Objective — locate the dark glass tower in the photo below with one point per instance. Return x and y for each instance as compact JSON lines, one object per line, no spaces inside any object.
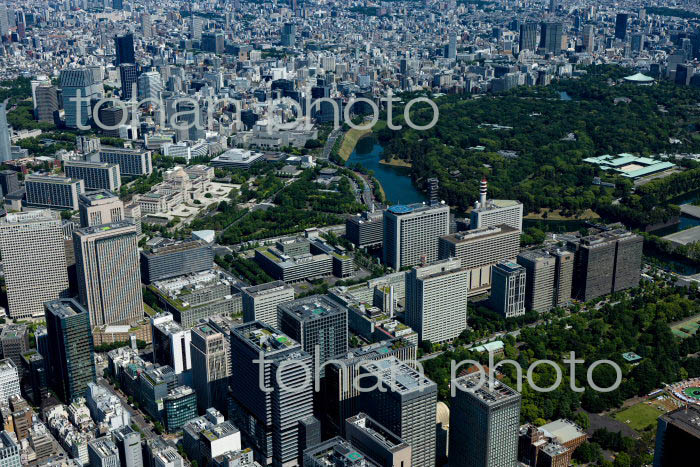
{"x":72,"y":357}
{"x":124,"y":49}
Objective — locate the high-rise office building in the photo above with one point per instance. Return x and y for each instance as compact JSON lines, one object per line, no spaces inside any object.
{"x":177,"y":259}
{"x":34,"y":260}
{"x":479,"y":250}
{"x":103,"y":452}
{"x":53,"y":191}
{"x":411,"y":233}
{"x":46,"y":103}
{"x":180,"y":406}
{"x":260,"y":301}
{"x":72,"y":357}
{"x":270,"y":421}
{"x":100,"y":207}
{"x":95,"y":175}
{"x":605,"y":263}
{"x":548,"y":280}
{"x":9,"y":181}
{"x":171,"y":345}
{"x":484,"y":424}
{"x":124,"y":49}
{"x":550,"y":37}
{"x":132,"y":162}
{"x":493,"y":212}
{"x":36,"y":378}
{"x":621,"y":26}
{"x":289,"y":32}
{"x":451,"y":47}
{"x":366,"y":229}
{"x":508,"y":289}
{"x":637,"y":42}
{"x":316,"y":321}
{"x":150,"y":87}
{"x":112,"y":121}
{"x":196,"y":26}
{"x":436,"y":300}
{"x":528,"y":36}
{"x":4,"y":22}
{"x":378,"y":443}
{"x":79,"y":84}
{"x":404,"y":402}
{"x":683,"y":74}
{"x":128,"y":443}
{"x":9,"y":380}
{"x":210,"y":368}
{"x":589,"y":38}
{"x":109,"y":279}
{"x":213,"y":42}
{"x":341,"y":395}
{"x":5,"y":153}
{"x":14,"y":339}
{"x":146,"y":25}
{"x":128,"y":74}
{"x":677,"y":435}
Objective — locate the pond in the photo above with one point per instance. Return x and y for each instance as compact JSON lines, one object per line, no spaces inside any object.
{"x":396,"y":181}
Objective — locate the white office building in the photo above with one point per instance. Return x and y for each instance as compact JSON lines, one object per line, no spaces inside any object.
{"x":508,"y":289}
{"x":260,"y":302}
{"x":9,"y":380}
{"x":436,"y":300}
{"x":411,"y":233}
{"x":34,"y":260}
{"x":492,"y":212}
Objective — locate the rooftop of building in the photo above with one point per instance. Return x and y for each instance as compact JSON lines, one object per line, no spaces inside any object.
{"x":337,"y":451}
{"x":373,"y":351}
{"x":479,"y":234}
{"x":7,"y":364}
{"x":378,"y":432}
{"x":122,"y":150}
{"x":104,"y":447}
{"x":175,"y":247}
{"x":563,"y":430}
{"x":46,"y":178}
{"x":264,"y":337}
{"x":604,"y":237}
{"x":65,"y":307}
{"x":403,"y":209}
{"x":489,"y":394}
{"x":492,"y":204}
{"x":313,"y":307}
{"x":13,"y":330}
{"x":114,"y":226}
{"x":97,"y":197}
{"x":266,"y":288}
{"x":104,"y":165}
{"x":178,"y":392}
{"x":28,"y":217}
{"x":398,"y":376}
{"x":687,"y":418}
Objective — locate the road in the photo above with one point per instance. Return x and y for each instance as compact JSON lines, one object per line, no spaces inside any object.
{"x":330,"y":142}
{"x":136,"y":416}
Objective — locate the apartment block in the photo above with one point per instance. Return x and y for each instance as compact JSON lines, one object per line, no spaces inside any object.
{"x":411,"y":233}
{"x":95,"y":175}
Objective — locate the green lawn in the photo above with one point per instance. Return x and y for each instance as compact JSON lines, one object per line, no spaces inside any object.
{"x":640,"y":416}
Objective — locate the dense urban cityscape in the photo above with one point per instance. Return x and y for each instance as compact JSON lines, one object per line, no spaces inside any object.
{"x":393,"y":233}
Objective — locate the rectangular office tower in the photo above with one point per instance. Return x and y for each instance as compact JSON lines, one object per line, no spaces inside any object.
{"x":177,"y":259}
{"x":210,"y":367}
{"x":508,"y":289}
{"x":621,"y":26}
{"x":72,"y":357}
{"x":316,"y":321}
{"x":270,"y":421}
{"x":34,"y":260}
{"x":551,"y":37}
{"x":95,"y":175}
{"x":132,"y":162}
{"x":100,"y":207}
{"x":79,"y":86}
{"x":677,"y":437}
{"x":366,"y":229}
{"x":128,"y":442}
{"x":548,"y":278}
{"x":260,"y":301}
{"x":109,"y":279}
{"x":484,"y":424}
{"x":528,"y":36}
{"x":479,"y":250}
{"x":411,"y":233}
{"x":405,"y":402}
{"x":493,"y":212}
{"x":52,"y":191}
{"x":171,"y":345}
{"x":103,"y":453}
{"x":436,"y":300}
{"x":605,"y":263}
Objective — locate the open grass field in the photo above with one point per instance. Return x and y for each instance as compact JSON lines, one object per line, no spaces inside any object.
{"x":640,"y":416}
{"x":350,"y":140}
{"x":686,"y":328}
